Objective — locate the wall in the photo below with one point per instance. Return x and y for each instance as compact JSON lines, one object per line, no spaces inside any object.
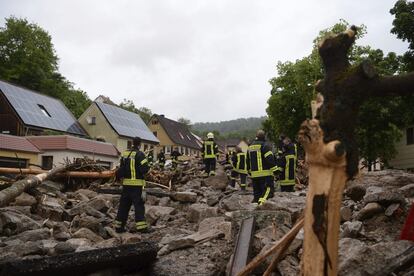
{"x":102,"y":129}
{"x":8,"y":119}
{"x":32,"y":157}
{"x":405,"y":156}
{"x":59,"y":157}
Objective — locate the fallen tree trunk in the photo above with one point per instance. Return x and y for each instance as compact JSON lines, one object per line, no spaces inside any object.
{"x":127,"y":258}
{"x":9,"y":194}
{"x":75,"y":174}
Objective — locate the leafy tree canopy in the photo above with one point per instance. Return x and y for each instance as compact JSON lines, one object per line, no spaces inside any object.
{"x":144,"y":112}
{"x":28,"y":58}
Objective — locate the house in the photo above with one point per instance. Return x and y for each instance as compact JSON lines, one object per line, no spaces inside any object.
{"x":26,"y":112}
{"x":231,"y":144}
{"x":405,"y":151}
{"x":17,"y":152}
{"x":173,"y":134}
{"x":57,"y":149}
{"x":110,"y":123}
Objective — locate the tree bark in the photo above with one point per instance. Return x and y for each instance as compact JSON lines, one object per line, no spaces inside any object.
{"x":331,"y":148}
{"x":77,"y":174}
{"x":9,"y":194}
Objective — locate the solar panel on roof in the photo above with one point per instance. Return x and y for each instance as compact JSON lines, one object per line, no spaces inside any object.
{"x":126,"y":123}
{"x":28,"y":106}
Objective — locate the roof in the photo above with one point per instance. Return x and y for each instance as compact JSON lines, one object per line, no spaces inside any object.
{"x":37,"y":110}
{"x":232,"y":142}
{"x":126,"y":123}
{"x":67,"y":142}
{"x":17,"y":143}
{"x":178,"y":132}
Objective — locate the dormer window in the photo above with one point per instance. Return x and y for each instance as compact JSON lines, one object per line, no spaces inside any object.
{"x":182,"y":137}
{"x":44,"y":111}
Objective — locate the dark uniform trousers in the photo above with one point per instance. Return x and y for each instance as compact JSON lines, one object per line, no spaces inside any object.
{"x":210,"y":164}
{"x":131,"y":195}
{"x":259,"y":187}
{"x":243,"y":178}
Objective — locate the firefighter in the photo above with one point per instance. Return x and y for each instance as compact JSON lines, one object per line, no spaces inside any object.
{"x":161,"y":159}
{"x":150,"y":157}
{"x":261,"y":165}
{"x":174,"y":157}
{"x":239,"y":163}
{"x":287,"y":164}
{"x":209,"y":152}
{"x":133,"y":167}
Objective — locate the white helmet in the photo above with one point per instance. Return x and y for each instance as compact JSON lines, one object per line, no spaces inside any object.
{"x":210,"y":135}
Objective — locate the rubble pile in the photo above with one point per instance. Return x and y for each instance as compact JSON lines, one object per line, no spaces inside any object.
{"x":196,"y":222}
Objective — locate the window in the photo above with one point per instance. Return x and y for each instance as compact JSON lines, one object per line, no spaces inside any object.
{"x":10,"y":162}
{"x":47,"y":162}
{"x":155,"y":133}
{"x":154,"y":122}
{"x":91,"y":120}
{"x":410,"y":135}
{"x":44,"y":111}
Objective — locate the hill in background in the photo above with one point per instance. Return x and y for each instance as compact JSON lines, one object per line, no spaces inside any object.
{"x":243,"y":128}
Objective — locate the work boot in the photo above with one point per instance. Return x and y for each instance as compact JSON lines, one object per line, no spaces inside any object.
{"x":212,"y":173}
{"x":145,"y":230}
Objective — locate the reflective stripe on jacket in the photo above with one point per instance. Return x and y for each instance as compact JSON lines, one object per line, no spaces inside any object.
{"x":135,"y":166}
{"x":241,"y":163}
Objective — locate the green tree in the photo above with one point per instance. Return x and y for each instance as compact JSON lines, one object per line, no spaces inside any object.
{"x":403,"y":27}
{"x":144,"y":112}
{"x":28,"y":58}
{"x":292,"y":91}
{"x":184,"y":121}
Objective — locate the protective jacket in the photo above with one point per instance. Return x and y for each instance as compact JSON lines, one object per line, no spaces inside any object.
{"x":133,"y":167}
{"x":210,"y":149}
{"x":239,"y":162}
{"x":260,"y":159}
{"x":288,"y":165}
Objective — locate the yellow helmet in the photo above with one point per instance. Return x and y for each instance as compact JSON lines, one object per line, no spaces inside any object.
{"x":210,"y":135}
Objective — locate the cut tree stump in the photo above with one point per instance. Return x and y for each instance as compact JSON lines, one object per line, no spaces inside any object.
{"x":127,"y":258}
{"x":330,"y":144}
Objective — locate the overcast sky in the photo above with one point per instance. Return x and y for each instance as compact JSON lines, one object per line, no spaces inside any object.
{"x":206,"y":60}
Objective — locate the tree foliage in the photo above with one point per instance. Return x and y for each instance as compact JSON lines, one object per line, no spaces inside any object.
{"x":403,"y":27}
{"x":293,"y":89}
{"x":184,"y":121}
{"x":144,"y":112}
{"x":28,"y":58}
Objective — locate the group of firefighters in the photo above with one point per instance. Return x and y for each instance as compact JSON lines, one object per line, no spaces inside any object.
{"x":259,"y":163}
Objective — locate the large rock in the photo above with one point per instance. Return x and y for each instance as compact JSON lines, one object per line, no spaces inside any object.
{"x":87,"y":234}
{"x":217,"y":223}
{"x":407,"y":190}
{"x":346,"y":213}
{"x":370,"y":210}
{"x":186,"y":197}
{"x":52,"y":209}
{"x":154,"y":213}
{"x":32,"y":235}
{"x":356,"y":192}
{"x":237,"y":202}
{"x":88,"y":193}
{"x":23,"y":249}
{"x":198,"y":212}
{"x":351,"y":229}
{"x":357,"y":258}
{"x":51,"y":186}
{"x":289,"y":266}
{"x":90,"y":222}
{"x":217,"y":182}
{"x":79,"y":242}
{"x":385,"y":198}
{"x":12,"y":222}
{"x":24,"y":199}
{"x":64,"y":247}
{"x":60,"y":232}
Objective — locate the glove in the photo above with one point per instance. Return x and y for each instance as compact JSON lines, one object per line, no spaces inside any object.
{"x":144,"y":196}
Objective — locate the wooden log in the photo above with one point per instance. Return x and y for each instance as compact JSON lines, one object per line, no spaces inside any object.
{"x":285,"y":240}
{"x":9,"y":194}
{"x":74,"y":174}
{"x":128,"y":258}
